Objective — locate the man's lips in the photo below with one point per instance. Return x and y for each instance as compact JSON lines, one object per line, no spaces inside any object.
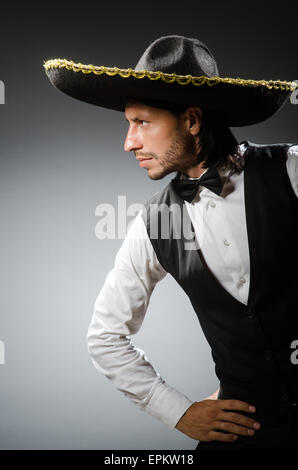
{"x":143,"y":160}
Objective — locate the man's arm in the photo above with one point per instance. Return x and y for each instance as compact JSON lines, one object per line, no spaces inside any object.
{"x":119,"y":311}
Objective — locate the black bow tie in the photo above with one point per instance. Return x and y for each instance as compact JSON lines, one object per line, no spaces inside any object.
{"x":187,"y":189}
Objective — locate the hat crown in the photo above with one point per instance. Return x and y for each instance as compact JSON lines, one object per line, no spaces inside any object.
{"x":179,"y":55}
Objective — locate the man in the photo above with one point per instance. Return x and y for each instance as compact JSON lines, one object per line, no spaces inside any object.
{"x":239,"y":272}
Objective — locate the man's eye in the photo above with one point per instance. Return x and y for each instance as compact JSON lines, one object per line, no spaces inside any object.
{"x":142,"y":123}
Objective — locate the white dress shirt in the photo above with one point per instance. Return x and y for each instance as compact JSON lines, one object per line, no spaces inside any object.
{"x":120,"y":307}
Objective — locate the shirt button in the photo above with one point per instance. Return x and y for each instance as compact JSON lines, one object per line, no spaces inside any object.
{"x":212,"y":204}
{"x":242,"y":280}
{"x":226,"y":242}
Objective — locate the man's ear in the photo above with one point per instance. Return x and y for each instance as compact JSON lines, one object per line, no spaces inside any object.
{"x":193,"y":119}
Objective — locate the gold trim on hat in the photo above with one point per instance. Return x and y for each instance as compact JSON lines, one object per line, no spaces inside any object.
{"x":166,"y":77}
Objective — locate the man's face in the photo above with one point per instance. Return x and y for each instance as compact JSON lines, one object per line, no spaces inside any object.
{"x":160,"y":141}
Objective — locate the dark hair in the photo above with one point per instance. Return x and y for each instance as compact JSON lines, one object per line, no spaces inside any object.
{"x":217,"y":142}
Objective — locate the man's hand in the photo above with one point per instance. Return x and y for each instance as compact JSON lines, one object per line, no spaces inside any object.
{"x":207,"y":419}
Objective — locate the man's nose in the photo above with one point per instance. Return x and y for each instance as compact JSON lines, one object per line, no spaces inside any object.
{"x":132,"y":142}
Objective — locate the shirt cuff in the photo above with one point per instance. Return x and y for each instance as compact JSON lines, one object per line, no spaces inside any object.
{"x":166,"y":404}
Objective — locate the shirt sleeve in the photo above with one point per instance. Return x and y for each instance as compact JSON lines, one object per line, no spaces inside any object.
{"x":119,"y":311}
{"x":292,"y":167}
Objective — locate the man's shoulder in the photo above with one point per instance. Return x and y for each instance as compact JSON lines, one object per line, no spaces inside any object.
{"x":253,"y":147}
{"x":262,"y":153}
{"x":160,"y":204}
{"x":160,"y":196}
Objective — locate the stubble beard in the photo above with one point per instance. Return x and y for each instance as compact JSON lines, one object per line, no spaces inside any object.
{"x":181,"y":155}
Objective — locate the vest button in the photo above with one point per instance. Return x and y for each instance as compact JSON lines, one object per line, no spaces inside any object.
{"x":284,"y":396}
{"x":267,"y":355}
{"x":250,"y":312}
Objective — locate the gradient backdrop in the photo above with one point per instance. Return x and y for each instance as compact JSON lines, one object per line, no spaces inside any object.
{"x":60,"y":159}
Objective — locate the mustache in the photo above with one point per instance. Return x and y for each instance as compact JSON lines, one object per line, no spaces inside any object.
{"x":145,"y":154}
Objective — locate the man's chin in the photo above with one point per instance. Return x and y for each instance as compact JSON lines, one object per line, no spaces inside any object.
{"x":157,"y":175}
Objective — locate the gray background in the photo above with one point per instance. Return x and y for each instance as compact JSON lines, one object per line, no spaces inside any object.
{"x":60,"y":159}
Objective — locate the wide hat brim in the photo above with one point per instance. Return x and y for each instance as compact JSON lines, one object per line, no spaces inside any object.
{"x":234,"y":101}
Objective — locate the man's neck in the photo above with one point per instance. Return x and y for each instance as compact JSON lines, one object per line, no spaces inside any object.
{"x":195,"y":172}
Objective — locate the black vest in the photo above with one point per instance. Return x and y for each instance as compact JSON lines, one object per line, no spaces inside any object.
{"x":250,"y":344}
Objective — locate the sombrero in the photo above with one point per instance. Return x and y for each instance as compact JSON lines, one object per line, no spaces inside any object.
{"x":173,"y":69}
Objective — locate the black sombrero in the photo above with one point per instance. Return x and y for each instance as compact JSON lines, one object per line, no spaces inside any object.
{"x":177,"y":70}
